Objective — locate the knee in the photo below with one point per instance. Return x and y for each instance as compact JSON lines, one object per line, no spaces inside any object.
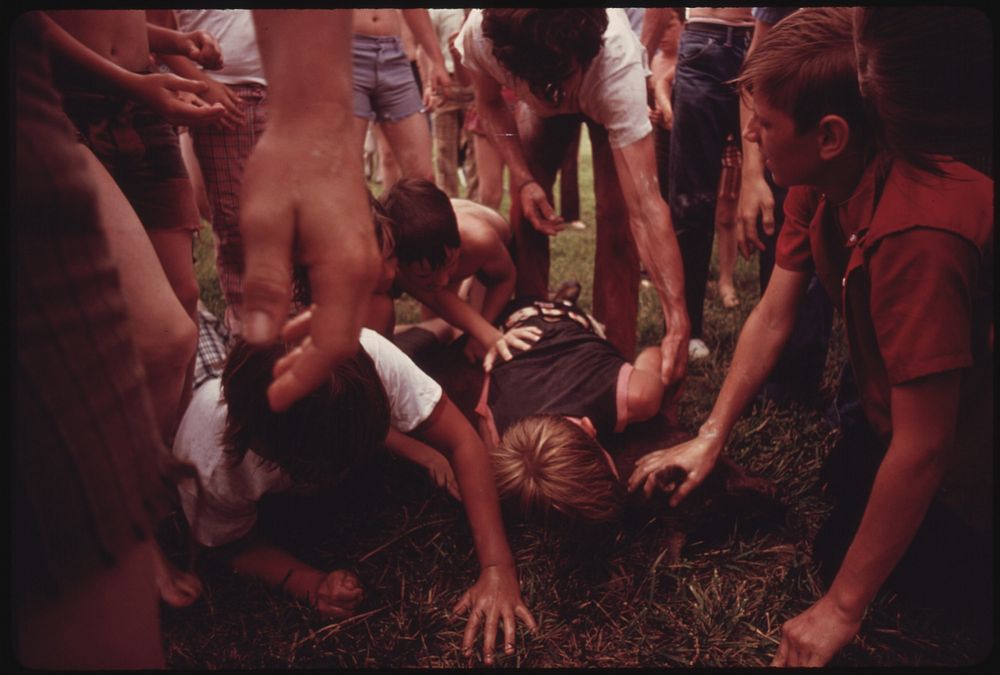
{"x":170,"y":349}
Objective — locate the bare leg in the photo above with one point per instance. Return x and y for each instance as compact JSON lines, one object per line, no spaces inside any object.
{"x":387,"y":165}
{"x":164,"y":333}
{"x":569,"y":181}
{"x":194,"y":170}
{"x":174,"y":249}
{"x":410,"y":140}
{"x":725,"y":238}
{"x":616,"y":260}
{"x":489,"y":166}
{"x":111,"y":621}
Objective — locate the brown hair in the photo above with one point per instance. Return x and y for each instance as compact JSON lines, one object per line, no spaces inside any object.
{"x":805,"y":66}
{"x":322,"y":434}
{"x":546,"y":463}
{"x":423,"y":221}
{"x":543,"y":47}
{"x":927,"y":73}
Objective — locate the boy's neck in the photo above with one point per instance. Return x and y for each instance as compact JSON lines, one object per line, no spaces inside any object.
{"x":843,"y":177}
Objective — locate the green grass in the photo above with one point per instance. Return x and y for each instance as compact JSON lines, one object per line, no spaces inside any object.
{"x":628,"y":603}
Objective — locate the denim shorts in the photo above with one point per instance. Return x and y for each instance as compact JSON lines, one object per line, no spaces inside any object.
{"x":384,"y":87}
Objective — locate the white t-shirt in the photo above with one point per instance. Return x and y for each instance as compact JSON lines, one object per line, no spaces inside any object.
{"x":228,"y":506}
{"x":237,"y":37}
{"x":612,"y":91}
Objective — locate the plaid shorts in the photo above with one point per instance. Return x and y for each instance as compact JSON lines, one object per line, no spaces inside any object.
{"x":213,"y":338}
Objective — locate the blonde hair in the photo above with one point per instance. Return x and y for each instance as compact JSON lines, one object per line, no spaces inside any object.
{"x":546,"y":463}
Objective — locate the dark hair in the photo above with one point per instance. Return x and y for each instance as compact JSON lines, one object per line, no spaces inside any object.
{"x":544,"y":47}
{"x":423,"y":221}
{"x":322,"y":434}
{"x":805,"y":66}
{"x":927,"y":73}
{"x":301,"y":288}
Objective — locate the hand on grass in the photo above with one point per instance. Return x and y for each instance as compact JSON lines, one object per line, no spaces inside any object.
{"x":677,"y":470}
{"x":338,"y":594}
{"x":522,"y":337}
{"x":494,"y":597}
{"x":814,"y":636}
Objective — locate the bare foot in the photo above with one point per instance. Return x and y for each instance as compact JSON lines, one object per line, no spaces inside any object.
{"x":728,"y":294}
{"x":177,"y":588}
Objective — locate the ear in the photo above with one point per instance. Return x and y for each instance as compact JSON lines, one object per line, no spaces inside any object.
{"x":589,"y":427}
{"x":834,"y":135}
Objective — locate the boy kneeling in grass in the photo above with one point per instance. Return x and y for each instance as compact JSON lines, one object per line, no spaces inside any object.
{"x":905,"y":249}
{"x":243,"y":450}
{"x":441,"y":243}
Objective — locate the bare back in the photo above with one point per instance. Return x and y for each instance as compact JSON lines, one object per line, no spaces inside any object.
{"x":376,"y":22}
{"x":117,"y":35}
{"x":733,"y":16}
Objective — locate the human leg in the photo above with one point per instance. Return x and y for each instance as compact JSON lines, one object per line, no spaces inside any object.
{"x":616,"y":259}
{"x":706,"y":111}
{"x":446,"y":129}
{"x":725,"y":223}
{"x":489,"y":168}
{"x":222,"y":154}
{"x":410,"y":141}
{"x":164,"y":334}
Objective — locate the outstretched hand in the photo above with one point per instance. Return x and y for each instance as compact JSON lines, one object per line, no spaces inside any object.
{"x":677,"y":470}
{"x":494,"y":597}
{"x":300,"y":204}
{"x":522,"y":337}
{"x":162,"y":92}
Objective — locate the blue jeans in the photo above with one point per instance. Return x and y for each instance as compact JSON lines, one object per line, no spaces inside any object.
{"x":706,"y":111}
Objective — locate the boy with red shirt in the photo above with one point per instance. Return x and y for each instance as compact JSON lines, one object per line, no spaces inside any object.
{"x":903,"y":252}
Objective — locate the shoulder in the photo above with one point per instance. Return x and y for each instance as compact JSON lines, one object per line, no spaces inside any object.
{"x":959,"y":201}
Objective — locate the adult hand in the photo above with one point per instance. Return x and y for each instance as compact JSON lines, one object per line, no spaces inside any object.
{"x":755,"y":198}
{"x":161,"y":92}
{"x":814,"y":636}
{"x":201,"y":48}
{"x":338,"y":594}
{"x":295,"y":205}
{"x":674,"y":355}
{"x":493,"y":597}
{"x":666,"y":110}
{"x":677,"y":470}
{"x":440,"y":80}
{"x":522,"y":337}
{"x":536,"y":208}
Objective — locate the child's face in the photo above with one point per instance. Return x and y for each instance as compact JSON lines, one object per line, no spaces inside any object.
{"x":793,"y":158}
{"x":422,"y":275}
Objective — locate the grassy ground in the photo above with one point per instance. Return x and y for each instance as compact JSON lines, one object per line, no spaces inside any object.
{"x":623,"y":602}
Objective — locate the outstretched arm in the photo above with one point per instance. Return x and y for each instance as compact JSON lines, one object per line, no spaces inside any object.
{"x":335,"y":594}
{"x":924,"y":414}
{"x":649,"y":219}
{"x":420,"y":453}
{"x":495,"y":596}
{"x":304,"y":198}
{"x":763,"y":336}
{"x":156,"y":90}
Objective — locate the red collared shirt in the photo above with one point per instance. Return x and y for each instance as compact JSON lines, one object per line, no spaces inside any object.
{"x":908,"y":259}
